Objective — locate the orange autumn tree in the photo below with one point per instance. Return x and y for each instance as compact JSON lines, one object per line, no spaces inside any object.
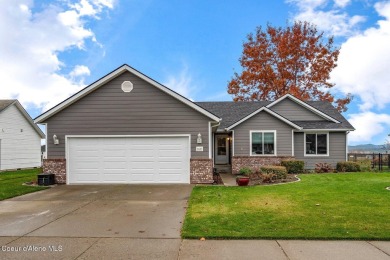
{"x":292,"y":60}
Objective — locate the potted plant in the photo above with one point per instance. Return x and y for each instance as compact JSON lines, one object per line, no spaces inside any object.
{"x":243,"y":178}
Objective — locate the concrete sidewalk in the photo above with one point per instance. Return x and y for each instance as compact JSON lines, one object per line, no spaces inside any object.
{"x":228,"y":179}
{"x":148,"y":248}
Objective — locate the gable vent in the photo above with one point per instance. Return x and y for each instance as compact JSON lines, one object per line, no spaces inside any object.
{"x":127,"y":86}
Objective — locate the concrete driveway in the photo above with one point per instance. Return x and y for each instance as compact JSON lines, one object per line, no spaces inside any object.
{"x":67,"y":220}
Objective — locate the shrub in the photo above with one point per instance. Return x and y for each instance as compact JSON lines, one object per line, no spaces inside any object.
{"x":279,"y":171}
{"x":348,"y":167}
{"x":267,"y":177}
{"x":293,"y":166}
{"x":323,"y":167}
{"x":365,"y":165}
{"x":246,"y":171}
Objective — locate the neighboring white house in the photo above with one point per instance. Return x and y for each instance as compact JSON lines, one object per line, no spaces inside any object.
{"x":20,"y":138}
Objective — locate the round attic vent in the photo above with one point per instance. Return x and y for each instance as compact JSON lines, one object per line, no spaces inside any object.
{"x":127,"y":86}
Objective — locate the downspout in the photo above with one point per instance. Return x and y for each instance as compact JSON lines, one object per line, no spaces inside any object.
{"x":346,"y":146}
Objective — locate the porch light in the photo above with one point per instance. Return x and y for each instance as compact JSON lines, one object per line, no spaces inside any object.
{"x":199,"y":139}
{"x":56,"y":140}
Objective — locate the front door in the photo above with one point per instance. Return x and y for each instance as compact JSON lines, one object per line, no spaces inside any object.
{"x":221,"y":149}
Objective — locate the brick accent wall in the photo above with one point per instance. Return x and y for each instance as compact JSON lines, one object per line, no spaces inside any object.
{"x":255,"y":162}
{"x":56,"y":166}
{"x":201,"y":171}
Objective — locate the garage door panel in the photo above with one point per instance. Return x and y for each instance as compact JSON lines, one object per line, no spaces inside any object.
{"x":143,"y":177}
{"x":128,"y":160}
{"x":87,"y":177}
{"x":114,"y":177}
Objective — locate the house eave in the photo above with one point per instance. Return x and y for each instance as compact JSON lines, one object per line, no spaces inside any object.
{"x":325,"y":130}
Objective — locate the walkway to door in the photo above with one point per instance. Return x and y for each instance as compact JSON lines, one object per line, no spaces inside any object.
{"x":228,"y":179}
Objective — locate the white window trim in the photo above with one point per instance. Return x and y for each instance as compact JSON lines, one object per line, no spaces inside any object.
{"x":316,"y":155}
{"x":262,"y":131}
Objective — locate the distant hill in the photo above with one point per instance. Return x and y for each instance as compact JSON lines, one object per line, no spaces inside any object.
{"x":366,"y":148}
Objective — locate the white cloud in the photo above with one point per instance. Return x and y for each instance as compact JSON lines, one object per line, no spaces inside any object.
{"x":91,"y":7}
{"x":80,"y":70}
{"x":342,"y":3}
{"x":334,"y":21}
{"x":364,"y":62}
{"x":29,"y":57}
{"x":368,"y":125}
{"x":181,"y":83}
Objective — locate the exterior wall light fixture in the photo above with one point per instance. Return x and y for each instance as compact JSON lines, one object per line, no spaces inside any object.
{"x":199,"y":139}
{"x":56,"y":141}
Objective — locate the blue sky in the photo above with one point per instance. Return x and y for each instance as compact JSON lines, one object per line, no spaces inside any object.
{"x":54,"y":48}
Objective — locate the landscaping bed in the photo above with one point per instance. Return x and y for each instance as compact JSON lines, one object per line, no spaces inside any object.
{"x":256,"y":179}
{"x":320,"y":206}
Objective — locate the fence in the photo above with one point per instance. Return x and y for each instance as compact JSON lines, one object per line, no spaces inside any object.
{"x":377,"y":161}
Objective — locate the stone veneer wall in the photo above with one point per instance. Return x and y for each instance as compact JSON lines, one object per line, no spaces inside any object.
{"x":56,"y":166}
{"x":201,"y":171}
{"x":255,"y":162}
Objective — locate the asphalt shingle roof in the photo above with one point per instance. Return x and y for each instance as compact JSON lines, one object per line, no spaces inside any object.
{"x":231,"y":112}
{"x":4,"y":103}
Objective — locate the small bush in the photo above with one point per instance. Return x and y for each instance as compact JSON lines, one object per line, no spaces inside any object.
{"x":323,"y":167}
{"x":365,"y":165}
{"x":267,"y":177}
{"x":279,"y":171}
{"x":348,"y":167}
{"x":293,"y":166}
{"x":246,"y":171}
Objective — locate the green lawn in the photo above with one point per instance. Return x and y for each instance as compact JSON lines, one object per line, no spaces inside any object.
{"x":321,"y":206}
{"x":11,"y":183}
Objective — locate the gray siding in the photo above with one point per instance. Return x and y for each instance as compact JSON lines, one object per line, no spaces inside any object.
{"x":336,"y":150}
{"x":295,"y":112}
{"x":263,"y":121}
{"x":146,"y":110}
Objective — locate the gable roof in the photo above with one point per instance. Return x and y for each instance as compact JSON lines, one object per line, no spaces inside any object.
{"x":233,"y":112}
{"x":5,"y":104}
{"x":330,"y":110}
{"x":269,"y":111}
{"x":305,"y":105}
{"x":85,"y":91}
{"x":230,"y":111}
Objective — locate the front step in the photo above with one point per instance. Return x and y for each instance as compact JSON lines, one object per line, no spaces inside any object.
{"x":226,"y":168}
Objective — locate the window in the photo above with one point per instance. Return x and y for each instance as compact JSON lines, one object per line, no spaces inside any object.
{"x":263,"y":142}
{"x":316,"y":144}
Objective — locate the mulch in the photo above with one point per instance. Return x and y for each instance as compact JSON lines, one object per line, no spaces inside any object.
{"x":255,"y":179}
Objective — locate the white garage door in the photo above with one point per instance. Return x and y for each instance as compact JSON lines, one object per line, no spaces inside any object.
{"x":128,"y":159}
